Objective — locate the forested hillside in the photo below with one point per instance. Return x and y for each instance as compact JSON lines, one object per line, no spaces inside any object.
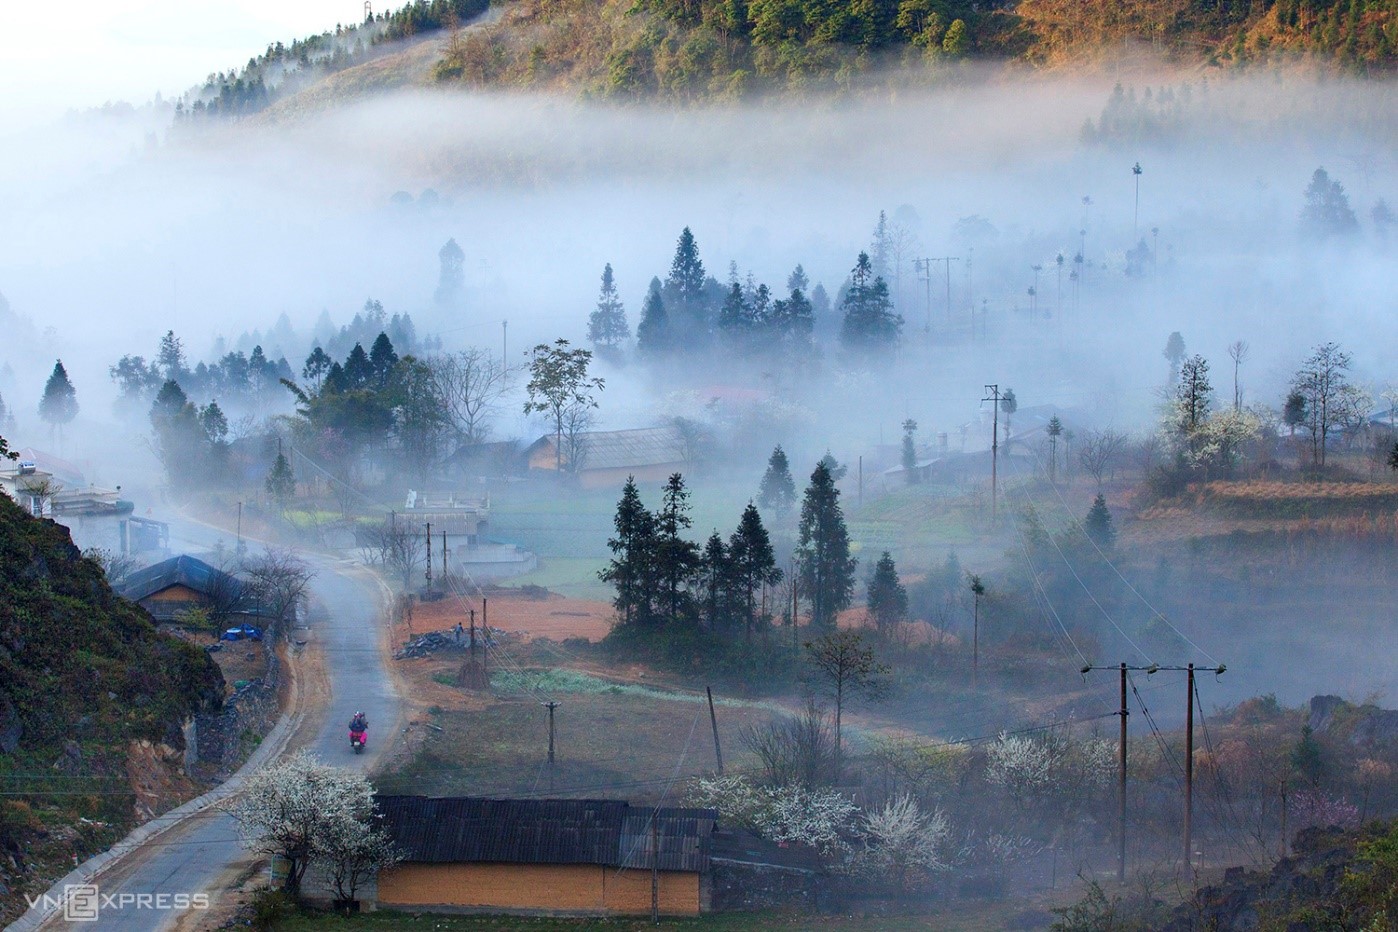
{"x":702,"y":49}
{"x":89,"y":690}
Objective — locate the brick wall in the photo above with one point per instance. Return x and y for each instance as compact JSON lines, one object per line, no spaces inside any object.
{"x":545,"y":888}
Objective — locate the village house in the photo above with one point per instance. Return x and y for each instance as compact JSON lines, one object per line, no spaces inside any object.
{"x":605,"y":458}
{"x":172,"y":587}
{"x":459,"y":543}
{"x":544,"y":856}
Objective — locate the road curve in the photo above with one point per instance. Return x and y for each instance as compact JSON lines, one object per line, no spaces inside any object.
{"x":193,"y":855}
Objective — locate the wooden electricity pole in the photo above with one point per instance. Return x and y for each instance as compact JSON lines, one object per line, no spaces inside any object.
{"x":993,"y":394}
{"x":713,"y":720}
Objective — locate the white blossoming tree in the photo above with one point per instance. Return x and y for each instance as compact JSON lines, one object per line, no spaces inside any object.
{"x":302,"y":810}
{"x":822,"y":819}
{"x":902,"y":843}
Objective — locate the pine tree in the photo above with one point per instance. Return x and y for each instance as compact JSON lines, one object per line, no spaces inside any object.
{"x":281,"y":481}
{"x":869,"y":323}
{"x":685,"y":295}
{"x":827,"y":569}
{"x":755,"y":564}
{"x":798,"y":280}
{"x":792,"y":326}
{"x":606,"y":326}
{"x":778,"y":489}
{"x":676,"y":558}
{"x":359,"y":371}
{"x":171,"y":359}
{"x":735,"y":317}
{"x":451,"y":276}
{"x":881,"y":247}
{"x":1327,"y":211}
{"x":632,"y":569}
{"x":1098,"y":524}
{"x":318,"y":364}
{"x":382,"y":359}
{"x":887,"y":599}
{"x":716,"y":577}
{"x":910,"y":450}
{"x":653,"y":332}
{"x":59,"y":404}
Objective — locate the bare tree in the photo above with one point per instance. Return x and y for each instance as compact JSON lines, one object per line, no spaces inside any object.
{"x":1323,"y":383}
{"x":902,"y":246}
{"x":1238,"y":352}
{"x":576,"y":423}
{"x":41,"y":491}
{"x":278,"y":580}
{"x":1099,"y":450}
{"x":470,"y":384}
{"x":843,"y":668}
{"x":395,"y":545}
{"x":795,"y":749}
{"x":115,"y":566}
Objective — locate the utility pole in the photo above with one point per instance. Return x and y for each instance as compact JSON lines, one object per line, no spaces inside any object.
{"x":505,"y":344}
{"x":923,"y":268}
{"x":485,"y":644}
{"x":1121,"y":764}
{"x":1190,"y":670}
{"x":550,"y":705}
{"x":861,"y":480}
{"x":444,"y":558}
{"x":1136,"y":215}
{"x":429,"y":556}
{"x":993,"y":394}
{"x":948,"y":260}
{"x":655,"y":866}
{"x":713,"y":720}
{"x":473,"y":636}
{"x":795,"y":605}
{"x":240,"y":529}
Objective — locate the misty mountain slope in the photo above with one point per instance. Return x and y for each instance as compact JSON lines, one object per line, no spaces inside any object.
{"x":411,"y":66}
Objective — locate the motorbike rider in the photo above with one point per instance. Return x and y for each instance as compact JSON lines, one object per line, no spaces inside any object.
{"x":359,"y":724}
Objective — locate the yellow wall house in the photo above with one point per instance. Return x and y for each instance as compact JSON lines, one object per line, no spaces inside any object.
{"x":550,"y":856}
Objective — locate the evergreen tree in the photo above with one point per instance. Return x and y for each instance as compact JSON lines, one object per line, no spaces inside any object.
{"x":793,"y":324}
{"x":798,"y":280}
{"x":735,"y":320}
{"x":171,"y":360}
{"x":1174,"y":352}
{"x":1327,"y":211}
{"x":1009,"y":404}
{"x":359,"y":371}
{"x":181,"y":439}
{"x":685,"y":294}
{"x":1098,"y":524}
{"x":887,"y":599}
{"x":677,"y":559}
{"x":827,"y":569}
{"x":716,"y":579}
{"x":451,"y":277}
{"x":281,"y":481}
{"x":881,"y":247}
{"x":686,"y":280}
{"x":653,"y":332}
{"x":778,"y":489}
{"x":59,"y":404}
{"x":215,"y":424}
{"x":754,"y":563}
{"x":869,"y":323}
{"x":910,"y":450}
{"x":836,"y":469}
{"x":382,"y":359}
{"x":606,"y":326}
{"x":633,"y":564}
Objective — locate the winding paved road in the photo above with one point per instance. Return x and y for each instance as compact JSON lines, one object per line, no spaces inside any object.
{"x":199,"y":852}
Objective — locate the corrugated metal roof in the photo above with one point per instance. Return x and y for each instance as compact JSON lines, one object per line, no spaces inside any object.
{"x":628,"y":449}
{"x":545,"y":831}
{"x":183,"y":570}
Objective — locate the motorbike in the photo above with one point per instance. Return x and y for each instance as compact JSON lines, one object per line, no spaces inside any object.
{"x":357,"y":740}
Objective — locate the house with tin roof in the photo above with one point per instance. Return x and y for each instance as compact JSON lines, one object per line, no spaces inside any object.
{"x":604,"y":458}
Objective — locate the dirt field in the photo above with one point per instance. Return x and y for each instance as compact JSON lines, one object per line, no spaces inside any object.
{"x":552,"y":616}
